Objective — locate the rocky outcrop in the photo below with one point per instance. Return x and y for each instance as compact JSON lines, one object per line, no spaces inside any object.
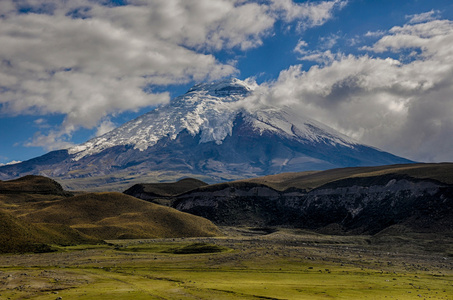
{"x":355,"y":205}
{"x":241,"y":204}
{"x":372,"y":204}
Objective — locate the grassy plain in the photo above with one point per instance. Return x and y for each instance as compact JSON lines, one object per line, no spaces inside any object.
{"x":246,"y":263}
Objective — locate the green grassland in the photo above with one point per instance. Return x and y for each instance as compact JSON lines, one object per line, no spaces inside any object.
{"x":243,"y":264}
{"x":113,"y":246}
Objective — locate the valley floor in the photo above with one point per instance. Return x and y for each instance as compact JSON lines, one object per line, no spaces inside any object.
{"x":246,"y":263}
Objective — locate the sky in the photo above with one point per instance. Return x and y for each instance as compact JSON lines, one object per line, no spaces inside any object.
{"x":378,"y":71}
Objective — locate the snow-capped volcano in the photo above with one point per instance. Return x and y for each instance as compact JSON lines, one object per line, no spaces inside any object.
{"x":205,"y":109}
{"x":209,"y":110}
{"x":211,"y":133}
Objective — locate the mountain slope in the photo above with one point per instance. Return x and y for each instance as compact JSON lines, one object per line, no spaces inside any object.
{"x":212,"y":133}
{"x":160,"y":192}
{"x":32,"y":185}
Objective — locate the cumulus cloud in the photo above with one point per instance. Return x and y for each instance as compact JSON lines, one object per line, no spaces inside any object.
{"x":400,"y":106}
{"x":87,"y":60}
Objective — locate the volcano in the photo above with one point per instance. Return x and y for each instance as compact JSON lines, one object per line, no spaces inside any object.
{"x":211,"y":133}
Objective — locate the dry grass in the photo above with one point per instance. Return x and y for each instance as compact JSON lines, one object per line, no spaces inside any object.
{"x":18,"y":235}
{"x":115,"y":215}
{"x":44,"y":214}
{"x":31,"y":184}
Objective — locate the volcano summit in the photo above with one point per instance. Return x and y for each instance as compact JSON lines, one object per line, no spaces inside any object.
{"x":209,"y":133}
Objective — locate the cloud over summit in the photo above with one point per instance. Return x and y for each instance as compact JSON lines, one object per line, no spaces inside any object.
{"x":384,"y":80}
{"x":87,"y":60}
{"x":397,"y":96}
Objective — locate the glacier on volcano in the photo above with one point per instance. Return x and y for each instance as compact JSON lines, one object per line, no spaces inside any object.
{"x":215,"y":132}
{"x":210,"y":110}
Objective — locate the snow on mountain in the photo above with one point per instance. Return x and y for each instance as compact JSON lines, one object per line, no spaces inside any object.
{"x":209,"y":110}
{"x":215,"y":132}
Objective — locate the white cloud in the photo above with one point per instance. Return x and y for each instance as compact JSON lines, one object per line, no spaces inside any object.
{"x":41,"y":123}
{"x":378,"y":33}
{"x":301,"y":47}
{"x":87,"y":61}
{"x":423,"y":17}
{"x":216,"y":24}
{"x":105,"y":127}
{"x":329,"y":41}
{"x":53,"y":140}
{"x":309,"y":14}
{"x":10,"y":163}
{"x":402,"y":107}
{"x":317,"y":55}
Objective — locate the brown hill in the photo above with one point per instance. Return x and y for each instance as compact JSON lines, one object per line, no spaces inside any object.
{"x":32,"y":184}
{"x":36,"y":212}
{"x":115,"y":215}
{"x":21,"y":236}
{"x":18,"y":197}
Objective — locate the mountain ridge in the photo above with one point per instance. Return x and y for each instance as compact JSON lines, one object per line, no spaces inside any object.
{"x":349,"y":201}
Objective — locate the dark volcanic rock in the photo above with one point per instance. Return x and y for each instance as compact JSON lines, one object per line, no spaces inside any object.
{"x":241,"y":204}
{"x":357,"y":205}
{"x":372,"y":204}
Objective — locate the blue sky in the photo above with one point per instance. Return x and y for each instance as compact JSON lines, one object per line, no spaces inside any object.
{"x":378,"y":71}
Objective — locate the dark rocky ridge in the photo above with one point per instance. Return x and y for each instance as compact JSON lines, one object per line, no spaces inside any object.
{"x":352,"y":205}
{"x":239,"y":204}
